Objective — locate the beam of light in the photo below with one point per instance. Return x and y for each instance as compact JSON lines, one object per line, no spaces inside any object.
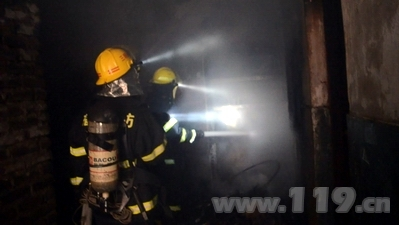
{"x":166,"y":55}
{"x":187,"y":48}
{"x":198,"y":88}
{"x":198,"y":45}
{"x":225,"y":133}
{"x":189,"y":116}
{"x":230,"y":115}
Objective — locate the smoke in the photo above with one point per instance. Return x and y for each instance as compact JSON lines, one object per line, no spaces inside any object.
{"x":263,"y":133}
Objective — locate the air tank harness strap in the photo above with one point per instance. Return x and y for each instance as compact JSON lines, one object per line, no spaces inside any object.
{"x":129,"y":186}
{"x":101,"y":140}
{"x":144,"y":177}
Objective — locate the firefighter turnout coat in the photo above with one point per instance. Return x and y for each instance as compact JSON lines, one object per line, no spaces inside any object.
{"x":173,"y":170}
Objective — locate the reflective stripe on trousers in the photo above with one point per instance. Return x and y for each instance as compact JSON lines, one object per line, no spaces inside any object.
{"x":147,"y":206}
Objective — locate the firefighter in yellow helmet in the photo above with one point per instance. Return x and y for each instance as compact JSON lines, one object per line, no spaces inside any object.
{"x":114,"y":143}
{"x":163,"y":90}
{"x":161,"y":98}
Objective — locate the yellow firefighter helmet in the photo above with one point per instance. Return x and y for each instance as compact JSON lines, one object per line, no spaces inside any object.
{"x":111,"y":64}
{"x":164,"y":75}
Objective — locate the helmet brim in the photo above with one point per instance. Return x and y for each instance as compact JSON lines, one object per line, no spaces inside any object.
{"x":100,"y":81}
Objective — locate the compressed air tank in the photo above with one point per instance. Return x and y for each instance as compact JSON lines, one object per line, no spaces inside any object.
{"x":102,"y":149}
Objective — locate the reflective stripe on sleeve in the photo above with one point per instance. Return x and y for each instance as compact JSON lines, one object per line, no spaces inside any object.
{"x":147,"y":206}
{"x":157,"y":151}
{"x":75,"y":181}
{"x":193,"y":135}
{"x":183,"y":135}
{"x":77,"y":152}
{"x":168,"y":125}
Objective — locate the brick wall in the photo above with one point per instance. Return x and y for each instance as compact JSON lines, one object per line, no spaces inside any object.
{"x":26,"y":182}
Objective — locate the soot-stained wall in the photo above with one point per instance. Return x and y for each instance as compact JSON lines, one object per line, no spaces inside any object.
{"x":371,"y":36}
